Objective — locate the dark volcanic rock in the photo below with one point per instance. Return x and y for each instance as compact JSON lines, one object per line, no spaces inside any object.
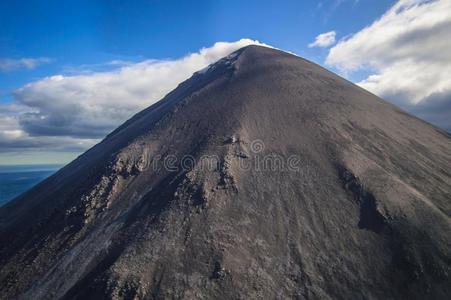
{"x":364,"y":214}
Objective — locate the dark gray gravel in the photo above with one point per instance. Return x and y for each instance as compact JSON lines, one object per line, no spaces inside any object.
{"x":363,"y":214}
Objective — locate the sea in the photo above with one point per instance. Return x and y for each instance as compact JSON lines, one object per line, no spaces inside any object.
{"x":17,"y":179}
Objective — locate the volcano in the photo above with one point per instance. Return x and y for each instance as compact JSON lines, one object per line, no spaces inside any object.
{"x":262,"y":176}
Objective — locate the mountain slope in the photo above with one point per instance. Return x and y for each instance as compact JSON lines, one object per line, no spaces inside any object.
{"x":359,"y":209}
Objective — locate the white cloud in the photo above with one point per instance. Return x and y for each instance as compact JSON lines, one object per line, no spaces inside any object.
{"x":408,"y":51}
{"x":84,"y":108}
{"x":9,"y":64}
{"x":324,"y":40}
{"x":13,"y":137}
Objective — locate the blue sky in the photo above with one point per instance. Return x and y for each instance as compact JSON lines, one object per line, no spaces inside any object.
{"x":61,"y":61}
{"x":74,"y":33}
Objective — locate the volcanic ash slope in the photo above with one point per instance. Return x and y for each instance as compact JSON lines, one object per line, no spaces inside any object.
{"x":353,"y":201}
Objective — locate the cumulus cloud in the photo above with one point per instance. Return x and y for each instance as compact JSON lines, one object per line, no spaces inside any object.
{"x":13,"y":137}
{"x":10,"y":64}
{"x":324,"y":40}
{"x":408,"y":51}
{"x":436,"y":109}
{"x":78,"y":110}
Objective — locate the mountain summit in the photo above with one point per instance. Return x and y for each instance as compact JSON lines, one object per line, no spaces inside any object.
{"x":262,"y":176}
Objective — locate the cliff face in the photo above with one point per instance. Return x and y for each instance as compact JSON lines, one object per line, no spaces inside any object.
{"x":262,"y":176}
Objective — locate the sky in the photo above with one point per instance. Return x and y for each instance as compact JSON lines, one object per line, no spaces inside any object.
{"x":72,"y":71}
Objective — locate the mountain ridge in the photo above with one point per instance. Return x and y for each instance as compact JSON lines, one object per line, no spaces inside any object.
{"x":365,"y":214}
